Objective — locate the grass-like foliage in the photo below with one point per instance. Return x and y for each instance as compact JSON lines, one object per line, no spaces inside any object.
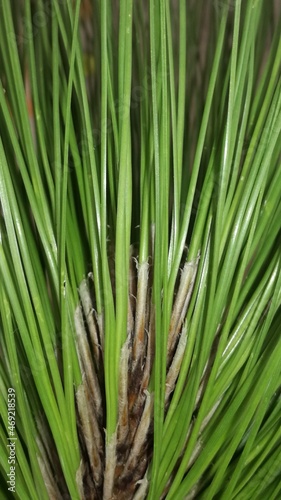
{"x":140,"y":217}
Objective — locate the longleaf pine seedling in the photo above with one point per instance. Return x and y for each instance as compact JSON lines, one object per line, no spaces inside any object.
{"x":140,"y":209}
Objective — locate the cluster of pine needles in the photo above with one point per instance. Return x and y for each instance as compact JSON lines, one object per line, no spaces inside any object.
{"x":140,"y":218}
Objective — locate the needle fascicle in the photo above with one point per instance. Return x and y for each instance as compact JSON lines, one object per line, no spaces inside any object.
{"x":187,"y":279}
{"x":110,"y":465}
{"x":118,"y":466}
{"x":140,"y":317}
{"x":142,"y":489}
{"x":79,"y":479}
{"x":87,"y":305}
{"x":91,"y":432}
{"x":123,"y":420}
{"x":87,"y":364}
{"x":175,"y":365}
{"x":150,"y":350}
{"x":99,"y":317}
{"x":45,"y":461}
{"x":140,"y":435}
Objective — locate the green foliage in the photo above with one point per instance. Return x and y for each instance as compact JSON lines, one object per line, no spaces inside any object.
{"x":156,"y":125}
